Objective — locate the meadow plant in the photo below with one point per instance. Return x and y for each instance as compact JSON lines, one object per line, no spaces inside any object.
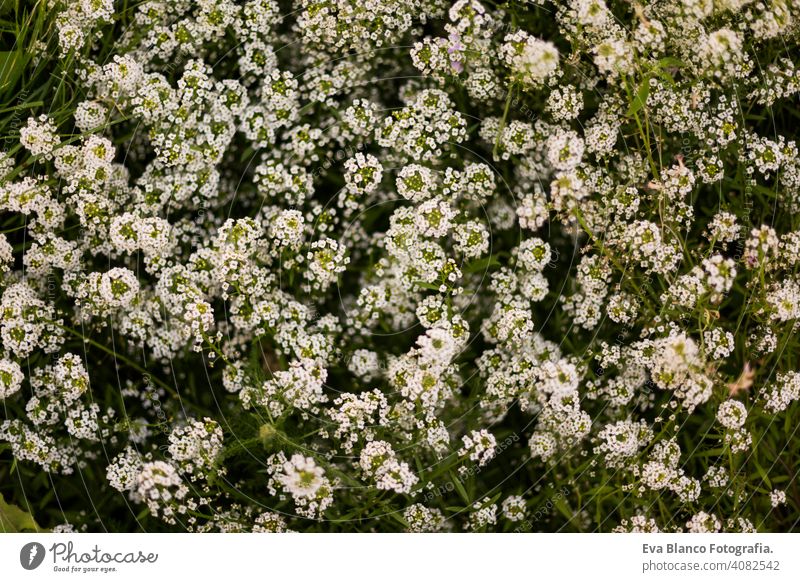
{"x":430,"y":265}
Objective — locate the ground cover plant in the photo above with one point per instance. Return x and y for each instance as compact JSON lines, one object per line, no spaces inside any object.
{"x":338,"y":265}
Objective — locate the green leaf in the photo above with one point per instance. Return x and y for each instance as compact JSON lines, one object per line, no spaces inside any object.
{"x":671,"y":62}
{"x":31,"y":105}
{"x":12,"y":63}
{"x":424,"y":285}
{"x":665,"y":76}
{"x":763,"y":474}
{"x":710,"y":453}
{"x":481,"y":264}
{"x":563,"y":508}
{"x":460,"y":488}
{"x":398,"y":518}
{"x":15,"y":520}
{"x":640,"y":99}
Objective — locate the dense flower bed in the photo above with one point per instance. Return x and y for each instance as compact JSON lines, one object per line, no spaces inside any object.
{"x":339,"y":265}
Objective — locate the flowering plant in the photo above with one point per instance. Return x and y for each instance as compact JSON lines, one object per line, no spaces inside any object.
{"x":340,"y":265}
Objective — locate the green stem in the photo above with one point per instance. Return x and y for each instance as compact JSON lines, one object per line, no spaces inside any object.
{"x":502,"y":125}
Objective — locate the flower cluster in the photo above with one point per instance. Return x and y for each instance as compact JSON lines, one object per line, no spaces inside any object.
{"x":414,"y":265}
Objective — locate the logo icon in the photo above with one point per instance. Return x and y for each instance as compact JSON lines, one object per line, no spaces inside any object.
{"x":31,"y":555}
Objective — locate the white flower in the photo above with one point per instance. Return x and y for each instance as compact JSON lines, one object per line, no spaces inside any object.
{"x":479,"y":446}
{"x":378,"y":460}
{"x":732,"y":414}
{"x":39,"y":136}
{"x":118,"y":287}
{"x":301,"y":476}
{"x":531,"y":60}
{"x":777,"y":497}
{"x":11,"y":377}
